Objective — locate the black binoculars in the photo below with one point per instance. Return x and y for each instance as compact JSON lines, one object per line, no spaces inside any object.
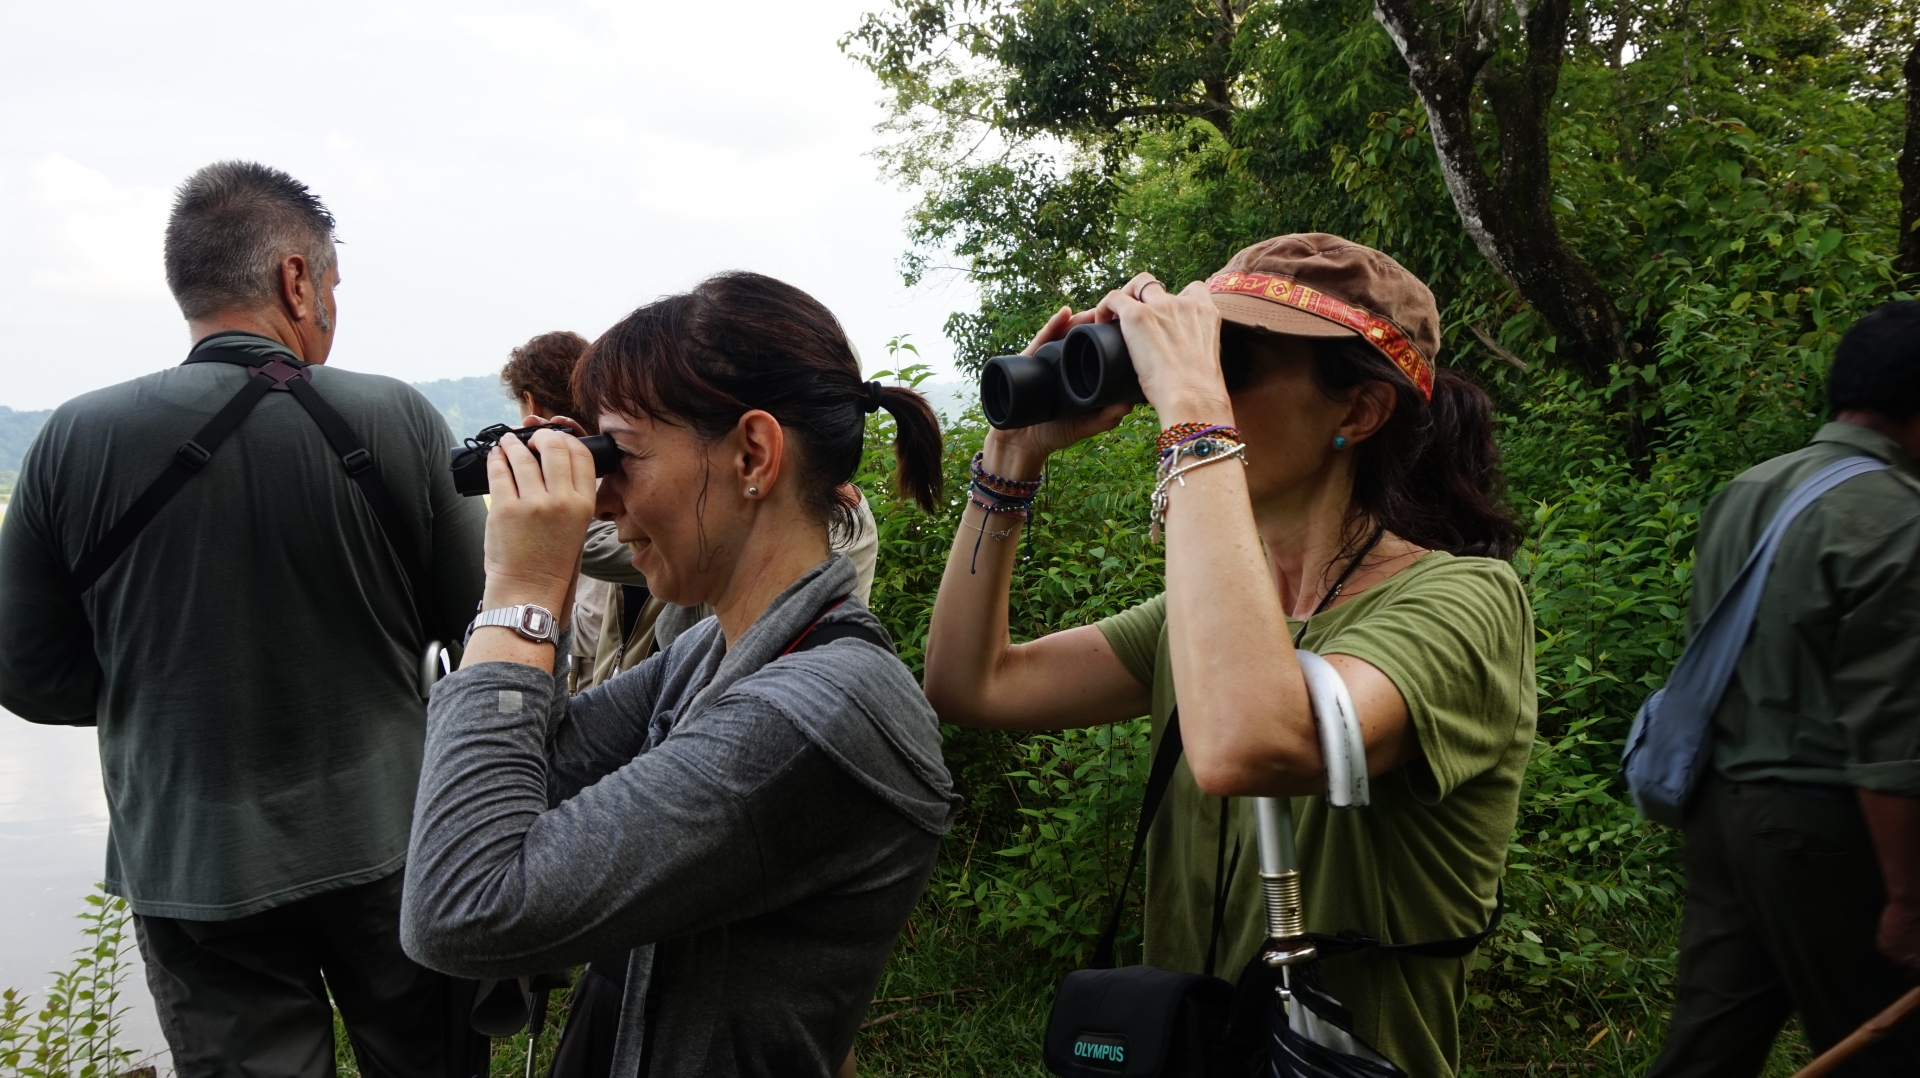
{"x":469,"y":462}
{"x":1083,"y":372}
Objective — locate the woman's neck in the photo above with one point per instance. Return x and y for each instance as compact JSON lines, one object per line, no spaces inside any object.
{"x":1311,"y":533}
{"x":771,"y":561}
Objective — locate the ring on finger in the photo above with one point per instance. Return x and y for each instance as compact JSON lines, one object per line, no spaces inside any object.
{"x":1141,"y":292}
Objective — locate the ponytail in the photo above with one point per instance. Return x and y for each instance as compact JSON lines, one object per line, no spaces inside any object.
{"x":1431,"y":474}
{"x":916,"y":445}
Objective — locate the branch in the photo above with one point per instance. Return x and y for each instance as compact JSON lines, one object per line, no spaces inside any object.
{"x":1494,"y":347}
{"x":1509,"y":215}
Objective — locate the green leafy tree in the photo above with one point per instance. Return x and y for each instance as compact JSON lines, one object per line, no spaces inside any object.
{"x":1723,"y":173}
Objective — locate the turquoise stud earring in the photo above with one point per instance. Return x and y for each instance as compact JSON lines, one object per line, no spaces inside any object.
{"x":1339,"y":441}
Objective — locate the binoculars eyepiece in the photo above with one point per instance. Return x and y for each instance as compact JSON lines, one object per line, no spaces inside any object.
{"x":1084,"y":372}
{"x":469,"y":462}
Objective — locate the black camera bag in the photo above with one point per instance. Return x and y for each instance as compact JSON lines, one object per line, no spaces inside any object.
{"x":1142,"y":1020}
{"x":1146,"y":1021}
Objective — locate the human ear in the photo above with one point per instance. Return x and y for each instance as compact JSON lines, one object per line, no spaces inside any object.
{"x":299,"y":292}
{"x":1368,"y":410}
{"x":762,"y":445}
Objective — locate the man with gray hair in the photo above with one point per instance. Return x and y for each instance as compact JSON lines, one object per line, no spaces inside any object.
{"x":233,"y":567}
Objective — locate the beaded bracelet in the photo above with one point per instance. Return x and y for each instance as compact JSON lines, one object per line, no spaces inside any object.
{"x":1001,"y":485}
{"x":1199,"y":446}
{"x":1186,"y":432}
{"x":1169,"y":474}
{"x":993,"y":502}
{"x":996,"y":503}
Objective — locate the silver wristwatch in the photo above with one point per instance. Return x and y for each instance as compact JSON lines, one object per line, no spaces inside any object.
{"x":536,"y":623}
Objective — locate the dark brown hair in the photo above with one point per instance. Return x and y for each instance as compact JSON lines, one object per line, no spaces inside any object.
{"x":1431,"y":473}
{"x":740,"y":341}
{"x":544,"y":367}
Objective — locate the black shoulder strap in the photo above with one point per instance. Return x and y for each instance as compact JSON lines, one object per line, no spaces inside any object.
{"x":1350,"y":940}
{"x":815,"y":635}
{"x":1347,"y":942}
{"x":268,"y":373}
{"x":1158,"y":779}
{"x":360,"y":465}
{"x":192,"y":455}
{"x":840,"y":630}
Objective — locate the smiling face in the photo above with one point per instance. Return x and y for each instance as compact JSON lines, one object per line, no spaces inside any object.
{"x":673,"y":498}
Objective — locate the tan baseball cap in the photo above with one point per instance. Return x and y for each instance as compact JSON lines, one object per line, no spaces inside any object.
{"x":1311,"y":284}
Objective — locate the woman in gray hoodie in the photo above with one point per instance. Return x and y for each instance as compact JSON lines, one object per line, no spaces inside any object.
{"x":752,"y":813}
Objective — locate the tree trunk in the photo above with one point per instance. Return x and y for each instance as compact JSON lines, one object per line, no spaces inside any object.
{"x":1908,"y":261}
{"x":1509,"y":215}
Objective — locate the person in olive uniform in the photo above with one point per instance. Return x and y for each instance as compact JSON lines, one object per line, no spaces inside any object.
{"x":1803,"y":847}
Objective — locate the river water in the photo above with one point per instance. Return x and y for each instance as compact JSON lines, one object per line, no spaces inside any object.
{"x":53,"y":848}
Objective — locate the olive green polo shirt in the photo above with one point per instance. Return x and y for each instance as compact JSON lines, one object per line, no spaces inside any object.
{"x":253,"y":659}
{"x":1827,"y":691}
{"x":1420,"y":863}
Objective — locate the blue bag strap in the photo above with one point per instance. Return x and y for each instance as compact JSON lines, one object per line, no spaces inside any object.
{"x":1700,"y":678}
{"x":1670,"y":745}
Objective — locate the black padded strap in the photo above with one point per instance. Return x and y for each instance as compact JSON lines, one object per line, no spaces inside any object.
{"x":1349,"y":941}
{"x":840,"y":630}
{"x":187,"y":461}
{"x":1165,"y":759}
{"x":815,"y":634}
{"x":1223,"y":873}
{"x":361,"y":467}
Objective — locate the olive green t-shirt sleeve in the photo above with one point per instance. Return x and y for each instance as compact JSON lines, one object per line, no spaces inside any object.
{"x":1134,"y":635}
{"x":1458,"y":644}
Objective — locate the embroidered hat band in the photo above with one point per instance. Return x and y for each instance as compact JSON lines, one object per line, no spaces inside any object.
{"x":1311,"y":284}
{"x":1375,"y":330}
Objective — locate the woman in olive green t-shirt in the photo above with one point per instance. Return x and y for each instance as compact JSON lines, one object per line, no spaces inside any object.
{"x":1368,"y":514}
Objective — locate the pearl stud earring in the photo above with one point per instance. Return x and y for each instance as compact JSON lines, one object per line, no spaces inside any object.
{"x":753,"y":492}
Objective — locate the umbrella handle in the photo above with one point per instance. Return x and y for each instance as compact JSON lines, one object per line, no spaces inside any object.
{"x":1345,"y":756}
{"x":1341,"y":746}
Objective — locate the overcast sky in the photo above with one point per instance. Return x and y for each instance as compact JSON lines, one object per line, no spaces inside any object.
{"x":498,"y":170}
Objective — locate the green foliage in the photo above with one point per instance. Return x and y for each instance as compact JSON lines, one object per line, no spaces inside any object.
{"x":74,"y":1033}
{"x":1726,"y":171}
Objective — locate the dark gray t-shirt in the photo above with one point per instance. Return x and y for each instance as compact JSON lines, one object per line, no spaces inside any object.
{"x":253,"y":659}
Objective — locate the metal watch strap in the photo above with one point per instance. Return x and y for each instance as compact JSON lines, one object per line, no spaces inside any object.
{"x":536,"y":623}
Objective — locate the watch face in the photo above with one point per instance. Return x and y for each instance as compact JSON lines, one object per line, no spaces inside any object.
{"x":536,"y":622}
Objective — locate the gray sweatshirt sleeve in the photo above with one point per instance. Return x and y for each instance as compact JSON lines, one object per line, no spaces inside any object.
{"x":735,"y":816}
{"x":599,"y":731}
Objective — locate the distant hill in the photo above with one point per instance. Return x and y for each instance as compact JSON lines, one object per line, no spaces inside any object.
{"x":470,"y":403}
{"x":16,"y":433}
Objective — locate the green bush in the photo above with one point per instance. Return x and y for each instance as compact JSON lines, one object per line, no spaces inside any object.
{"x":75,"y":1033}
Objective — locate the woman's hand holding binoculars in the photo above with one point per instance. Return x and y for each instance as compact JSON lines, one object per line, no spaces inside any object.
{"x":1021,"y":453}
{"x":1173,"y":341}
{"x":537,"y":523}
